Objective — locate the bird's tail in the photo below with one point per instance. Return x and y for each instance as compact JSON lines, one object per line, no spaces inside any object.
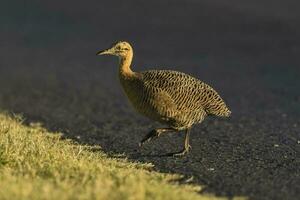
{"x":220,"y":110}
{"x":226,"y":113}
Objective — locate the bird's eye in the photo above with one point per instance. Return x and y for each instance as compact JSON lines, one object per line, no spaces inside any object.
{"x":125,"y":48}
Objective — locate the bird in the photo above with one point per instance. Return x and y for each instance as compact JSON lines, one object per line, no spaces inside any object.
{"x":172,"y":98}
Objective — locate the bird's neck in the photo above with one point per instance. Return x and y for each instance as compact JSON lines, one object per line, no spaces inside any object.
{"x":124,"y":65}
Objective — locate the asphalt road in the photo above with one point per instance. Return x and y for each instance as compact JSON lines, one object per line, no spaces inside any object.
{"x":248,"y":52}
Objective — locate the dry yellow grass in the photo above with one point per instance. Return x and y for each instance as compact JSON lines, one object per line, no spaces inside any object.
{"x":37,"y":164}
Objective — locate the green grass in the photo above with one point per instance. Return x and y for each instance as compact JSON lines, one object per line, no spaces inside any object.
{"x":38,"y":164}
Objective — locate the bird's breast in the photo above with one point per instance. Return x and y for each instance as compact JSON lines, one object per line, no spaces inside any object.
{"x":134,"y":91}
{"x":140,"y":97}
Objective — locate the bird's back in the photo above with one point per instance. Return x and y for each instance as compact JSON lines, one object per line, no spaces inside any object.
{"x":174,"y":97}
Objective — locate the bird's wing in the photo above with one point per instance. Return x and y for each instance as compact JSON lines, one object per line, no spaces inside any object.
{"x":186,"y":92}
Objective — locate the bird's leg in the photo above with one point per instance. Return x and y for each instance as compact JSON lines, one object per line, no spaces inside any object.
{"x":187,"y":145}
{"x":154,"y":133}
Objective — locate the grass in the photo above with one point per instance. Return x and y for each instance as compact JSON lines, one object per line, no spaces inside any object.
{"x":38,"y":164}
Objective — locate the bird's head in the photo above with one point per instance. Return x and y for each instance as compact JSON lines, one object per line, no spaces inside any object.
{"x":120,"y":49}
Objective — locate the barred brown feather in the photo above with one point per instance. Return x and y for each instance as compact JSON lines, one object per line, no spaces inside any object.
{"x":173,"y":98}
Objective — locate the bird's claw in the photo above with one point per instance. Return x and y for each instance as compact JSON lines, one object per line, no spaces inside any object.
{"x":182,"y":152}
{"x":151,"y":135}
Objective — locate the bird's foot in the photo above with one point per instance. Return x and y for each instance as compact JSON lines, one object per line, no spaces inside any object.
{"x":181,"y":153}
{"x":151,"y":135}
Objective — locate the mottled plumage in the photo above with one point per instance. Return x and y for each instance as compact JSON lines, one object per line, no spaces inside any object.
{"x":170,"y":97}
{"x":173,"y":98}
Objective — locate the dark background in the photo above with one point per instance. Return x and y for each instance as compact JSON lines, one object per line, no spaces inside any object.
{"x":248,"y":51}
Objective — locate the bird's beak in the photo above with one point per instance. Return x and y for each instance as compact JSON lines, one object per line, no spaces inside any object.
{"x":105,"y":52}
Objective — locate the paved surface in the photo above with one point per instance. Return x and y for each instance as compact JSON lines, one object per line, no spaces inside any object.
{"x":248,"y":52}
